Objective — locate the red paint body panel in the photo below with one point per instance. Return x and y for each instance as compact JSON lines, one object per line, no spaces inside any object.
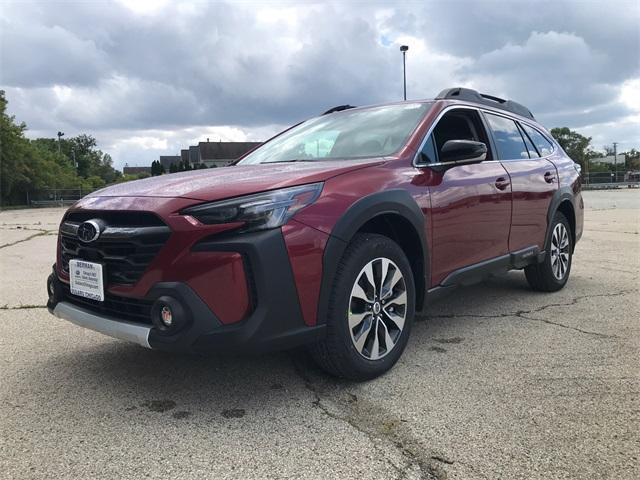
{"x":218,"y":183}
{"x":219,"y":279}
{"x":532,"y":196}
{"x":470,"y":217}
{"x":569,"y":178}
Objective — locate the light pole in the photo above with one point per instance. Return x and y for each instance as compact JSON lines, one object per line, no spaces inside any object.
{"x":60,"y":135}
{"x":615,"y":161}
{"x":403,"y":49}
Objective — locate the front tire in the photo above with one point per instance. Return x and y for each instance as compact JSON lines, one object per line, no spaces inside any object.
{"x":552,"y":274}
{"x":371,"y":309}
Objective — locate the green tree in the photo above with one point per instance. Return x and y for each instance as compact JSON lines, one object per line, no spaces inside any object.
{"x":575,"y":144}
{"x":25,"y":165}
{"x":173,"y":168}
{"x":82,"y":153}
{"x":133,"y":176}
{"x":94,"y":182}
{"x":632,"y":160}
{"x":13,"y":147}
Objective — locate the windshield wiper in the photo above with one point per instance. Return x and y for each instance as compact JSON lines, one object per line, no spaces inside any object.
{"x":293,"y":160}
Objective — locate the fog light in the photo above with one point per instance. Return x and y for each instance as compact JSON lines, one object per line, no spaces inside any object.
{"x":166,"y":316}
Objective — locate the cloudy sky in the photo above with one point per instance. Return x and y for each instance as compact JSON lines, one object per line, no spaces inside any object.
{"x":150,"y":77}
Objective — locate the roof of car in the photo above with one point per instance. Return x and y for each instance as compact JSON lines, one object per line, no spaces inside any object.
{"x":470,"y":95}
{"x":457,"y":94}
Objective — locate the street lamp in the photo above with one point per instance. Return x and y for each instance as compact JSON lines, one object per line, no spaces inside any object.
{"x":60,"y":135}
{"x":403,"y":49}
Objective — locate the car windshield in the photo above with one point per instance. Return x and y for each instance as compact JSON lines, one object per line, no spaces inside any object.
{"x":350,"y":134}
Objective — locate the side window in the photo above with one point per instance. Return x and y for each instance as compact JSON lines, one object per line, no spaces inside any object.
{"x":457,"y":124}
{"x":544,"y":146}
{"x":508,"y":139}
{"x":428,"y":152}
{"x":533,"y":153}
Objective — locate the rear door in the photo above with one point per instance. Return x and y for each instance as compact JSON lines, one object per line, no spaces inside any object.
{"x":534,"y":179}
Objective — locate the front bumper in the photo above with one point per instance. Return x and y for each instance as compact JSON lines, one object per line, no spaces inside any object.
{"x":112,"y":327}
{"x":275,"y":323}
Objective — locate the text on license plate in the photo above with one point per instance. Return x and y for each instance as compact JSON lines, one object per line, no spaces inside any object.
{"x":86,"y":279}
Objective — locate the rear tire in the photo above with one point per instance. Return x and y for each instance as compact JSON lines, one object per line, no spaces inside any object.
{"x":370,"y":311}
{"x":552,"y":274}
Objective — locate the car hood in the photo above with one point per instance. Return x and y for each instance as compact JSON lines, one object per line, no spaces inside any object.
{"x":224,"y":182}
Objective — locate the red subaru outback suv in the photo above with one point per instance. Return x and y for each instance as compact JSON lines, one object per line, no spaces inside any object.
{"x":331,"y":234}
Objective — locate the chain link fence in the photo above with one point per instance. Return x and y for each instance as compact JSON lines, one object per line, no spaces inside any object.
{"x":629,"y":179}
{"x":55,"y":197}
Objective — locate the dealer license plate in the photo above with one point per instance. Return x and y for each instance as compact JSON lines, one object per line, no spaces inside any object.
{"x":86,"y":279}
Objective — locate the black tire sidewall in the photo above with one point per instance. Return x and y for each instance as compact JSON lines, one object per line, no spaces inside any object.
{"x":366,"y":249}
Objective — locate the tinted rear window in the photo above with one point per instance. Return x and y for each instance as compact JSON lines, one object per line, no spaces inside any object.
{"x":533,"y":153}
{"x":544,"y":146}
{"x":509,"y":142}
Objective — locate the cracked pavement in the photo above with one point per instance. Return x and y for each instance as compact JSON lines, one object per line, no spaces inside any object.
{"x":497,"y":382}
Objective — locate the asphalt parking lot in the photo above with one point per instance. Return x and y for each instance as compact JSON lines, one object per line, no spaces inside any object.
{"x":497,"y":382}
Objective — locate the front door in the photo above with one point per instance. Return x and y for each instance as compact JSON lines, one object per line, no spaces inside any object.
{"x":470,"y":210}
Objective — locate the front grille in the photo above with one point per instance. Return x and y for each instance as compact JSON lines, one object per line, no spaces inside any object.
{"x":122,"y":308}
{"x":126,"y":246}
{"x":123,"y":218}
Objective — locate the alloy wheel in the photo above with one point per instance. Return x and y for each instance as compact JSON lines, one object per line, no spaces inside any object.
{"x":559,"y":251}
{"x":377,"y":308}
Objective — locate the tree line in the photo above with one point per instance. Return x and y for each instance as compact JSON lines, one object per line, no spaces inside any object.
{"x":28,"y":166}
{"x":578,"y":147}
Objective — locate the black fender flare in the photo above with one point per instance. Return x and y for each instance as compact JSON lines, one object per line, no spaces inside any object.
{"x":398,"y":202}
{"x":561,"y":195}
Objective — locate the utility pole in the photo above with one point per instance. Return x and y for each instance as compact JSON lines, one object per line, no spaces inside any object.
{"x":60,"y":135}
{"x":615,"y":162}
{"x":403,"y":49}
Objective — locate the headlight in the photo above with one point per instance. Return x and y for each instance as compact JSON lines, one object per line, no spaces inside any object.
{"x":260,"y":211}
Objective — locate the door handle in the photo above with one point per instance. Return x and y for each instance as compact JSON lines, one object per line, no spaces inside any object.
{"x":502,"y":183}
{"x":549,"y":177}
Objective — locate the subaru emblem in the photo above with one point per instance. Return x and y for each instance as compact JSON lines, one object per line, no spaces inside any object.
{"x":89,"y":231}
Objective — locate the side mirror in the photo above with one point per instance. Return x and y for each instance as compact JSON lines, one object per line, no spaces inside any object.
{"x":463,"y":151}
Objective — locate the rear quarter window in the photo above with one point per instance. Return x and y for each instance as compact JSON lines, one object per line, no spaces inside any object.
{"x":544,"y":146}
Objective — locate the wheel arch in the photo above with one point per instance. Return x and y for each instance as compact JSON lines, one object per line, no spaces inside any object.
{"x":393,"y":213}
{"x":563,"y":201}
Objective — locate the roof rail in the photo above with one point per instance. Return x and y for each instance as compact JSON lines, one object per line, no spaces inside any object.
{"x":339,"y":108}
{"x":471,"y":95}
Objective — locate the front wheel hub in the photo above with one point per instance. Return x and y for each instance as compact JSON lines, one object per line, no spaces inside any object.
{"x":377,"y":308}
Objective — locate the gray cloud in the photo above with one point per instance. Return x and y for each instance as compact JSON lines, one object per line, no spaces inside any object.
{"x":103,"y":68}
